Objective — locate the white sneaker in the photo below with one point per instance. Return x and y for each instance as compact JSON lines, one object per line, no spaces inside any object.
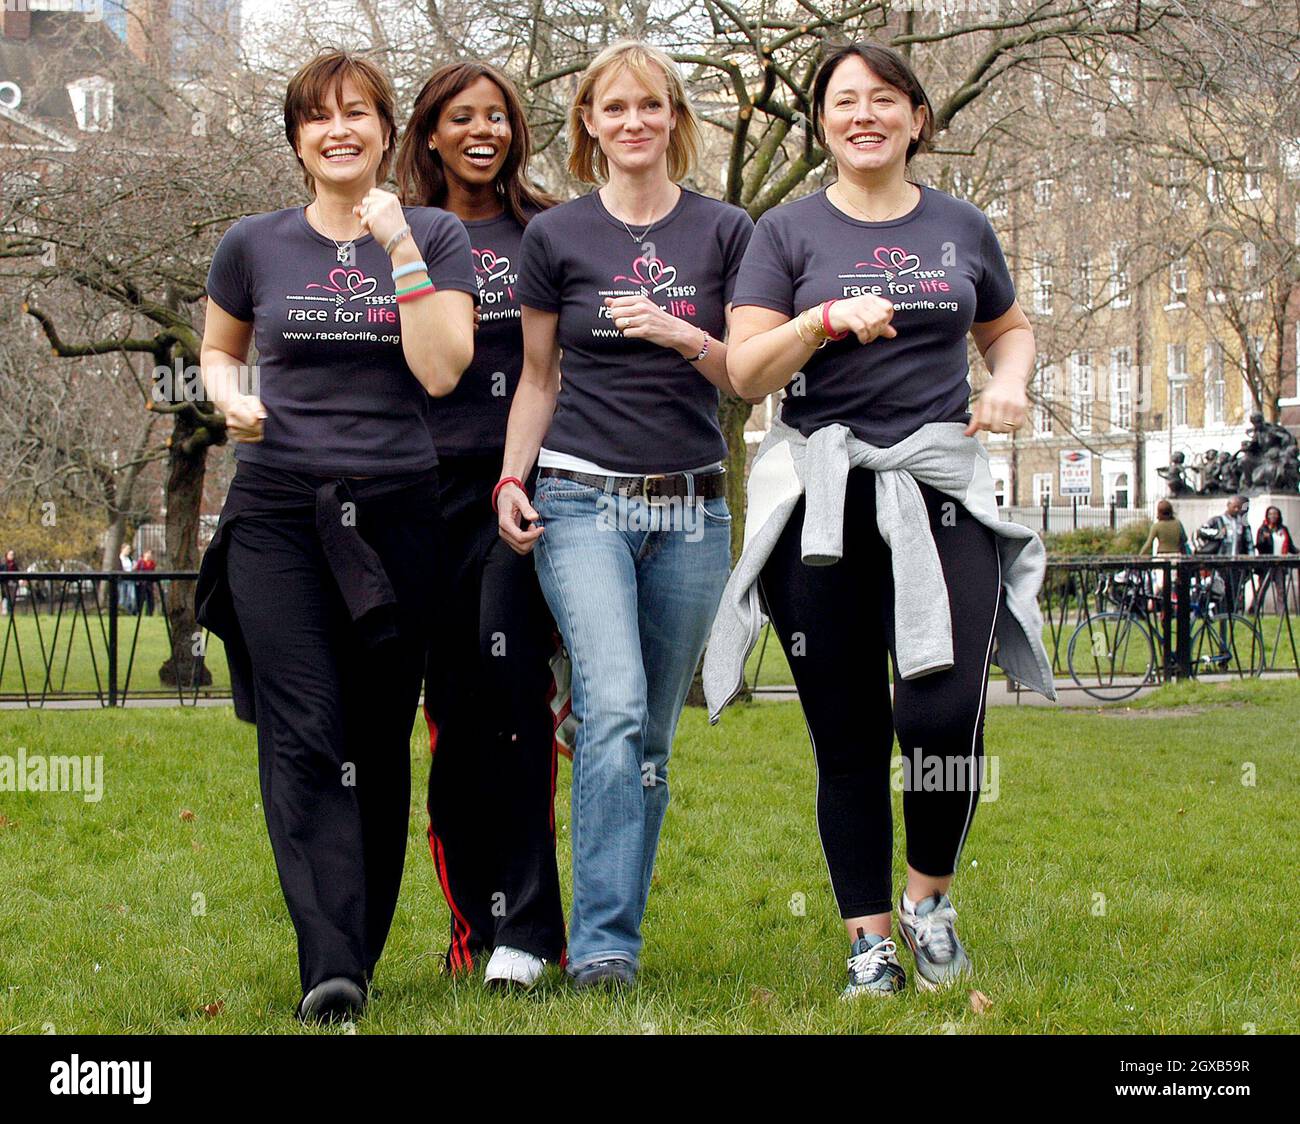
{"x":512,"y":966}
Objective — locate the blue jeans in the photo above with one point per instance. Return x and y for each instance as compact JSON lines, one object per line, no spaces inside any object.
{"x":633,"y":586}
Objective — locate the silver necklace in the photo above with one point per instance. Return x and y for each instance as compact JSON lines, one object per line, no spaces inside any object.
{"x":645,"y":234}
{"x":345,"y":252}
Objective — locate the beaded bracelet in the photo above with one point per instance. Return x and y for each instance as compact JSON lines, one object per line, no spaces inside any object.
{"x":396,"y":238}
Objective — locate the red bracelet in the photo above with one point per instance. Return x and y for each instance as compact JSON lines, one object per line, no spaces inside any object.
{"x":501,"y":484}
{"x":826,"y":322}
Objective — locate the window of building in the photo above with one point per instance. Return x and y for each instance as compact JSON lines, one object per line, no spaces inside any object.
{"x":1121,"y":177}
{"x":1043,"y":287}
{"x":1045,"y":382}
{"x":1000,"y":491}
{"x":92,"y":103}
{"x":1122,"y":85}
{"x":1042,"y":488}
{"x":1081,"y":392}
{"x":1253,"y":181}
{"x":1212,"y":189}
{"x":1177,"y":374}
{"x":1083,"y":280}
{"x":997,"y":208}
{"x":1121,"y":388}
{"x":1250,"y":272}
{"x":1215,"y":386}
{"x":1120,"y":297}
{"x":1119,"y":490}
{"x":1178,"y":282}
{"x":1043,"y":192}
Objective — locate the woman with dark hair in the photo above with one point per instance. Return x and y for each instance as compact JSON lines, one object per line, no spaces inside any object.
{"x":488,"y":684}
{"x":317,"y":578}
{"x":860,"y":297}
{"x":625,"y":291}
{"x":1167,"y":533}
{"x":1273,"y":537}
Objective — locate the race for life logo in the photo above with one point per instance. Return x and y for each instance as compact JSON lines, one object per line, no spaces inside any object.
{"x":490,"y":265}
{"x":347,"y":284}
{"x":895,"y":273}
{"x":345,"y":306}
{"x":496,"y":285}
{"x":894,"y":260}
{"x":651,"y":272}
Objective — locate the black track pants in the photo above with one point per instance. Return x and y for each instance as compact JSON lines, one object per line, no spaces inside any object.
{"x":334,"y":721}
{"x":491,"y":733}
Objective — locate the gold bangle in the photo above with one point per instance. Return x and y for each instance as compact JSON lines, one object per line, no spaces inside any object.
{"x":811,"y":318}
{"x":798,"y":331}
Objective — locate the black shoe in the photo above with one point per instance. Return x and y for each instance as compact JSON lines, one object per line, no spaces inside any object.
{"x":611,"y":973}
{"x":331,"y":1001}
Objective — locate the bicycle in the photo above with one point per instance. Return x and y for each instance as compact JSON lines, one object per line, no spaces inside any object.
{"x":1118,"y":657}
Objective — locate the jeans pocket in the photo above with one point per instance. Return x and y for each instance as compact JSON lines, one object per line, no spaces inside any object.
{"x":716,"y":510}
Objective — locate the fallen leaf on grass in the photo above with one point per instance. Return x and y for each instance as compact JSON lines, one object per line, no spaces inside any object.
{"x":761,"y":995}
{"x":5,"y":821}
{"x":187,"y":816}
{"x":980,"y":1003}
{"x":212,"y":1010}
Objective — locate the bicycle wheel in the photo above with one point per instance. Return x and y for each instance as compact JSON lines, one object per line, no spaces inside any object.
{"x":1228,"y":645}
{"x":1111,"y":656}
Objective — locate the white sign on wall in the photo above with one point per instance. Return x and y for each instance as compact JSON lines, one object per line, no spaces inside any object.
{"x":1076,"y":472}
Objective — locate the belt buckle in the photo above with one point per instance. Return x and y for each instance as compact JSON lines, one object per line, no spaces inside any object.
{"x":645,"y":488}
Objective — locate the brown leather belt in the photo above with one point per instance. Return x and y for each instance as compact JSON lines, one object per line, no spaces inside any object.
{"x":658,"y":485}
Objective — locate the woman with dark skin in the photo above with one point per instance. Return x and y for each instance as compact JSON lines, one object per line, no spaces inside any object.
{"x":491,"y":729}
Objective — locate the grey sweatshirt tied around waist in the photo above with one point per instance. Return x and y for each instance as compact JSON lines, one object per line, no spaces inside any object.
{"x":788,"y":465}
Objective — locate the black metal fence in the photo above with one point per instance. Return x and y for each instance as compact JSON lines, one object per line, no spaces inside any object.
{"x":1114,"y":625}
{"x":105,"y":637}
{"x":1111,"y":626}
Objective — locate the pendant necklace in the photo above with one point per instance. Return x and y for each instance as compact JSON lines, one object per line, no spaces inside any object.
{"x":345,"y":252}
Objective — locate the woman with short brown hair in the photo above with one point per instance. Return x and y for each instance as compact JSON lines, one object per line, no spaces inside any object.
{"x":317,"y":578}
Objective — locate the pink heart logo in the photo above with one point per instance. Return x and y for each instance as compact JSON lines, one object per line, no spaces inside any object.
{"x":895,"y":259}
{"x":485,"y":261}
{"x":652,"y":272}
{"x":351,"y":283}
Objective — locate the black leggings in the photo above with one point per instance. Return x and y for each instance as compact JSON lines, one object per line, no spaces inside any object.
{"x":836,"y":624}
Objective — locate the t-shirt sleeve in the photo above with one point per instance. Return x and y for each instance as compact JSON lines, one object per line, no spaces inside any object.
{"x":735,"y":240}
{"x":447,"y":254}
{"x":765,"y":278}
{"x":228,"y":282}
{"x":538,"y":284}
{"x":995,"y":292}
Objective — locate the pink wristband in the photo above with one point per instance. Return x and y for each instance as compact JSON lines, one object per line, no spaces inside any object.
{"x":826,"y":322}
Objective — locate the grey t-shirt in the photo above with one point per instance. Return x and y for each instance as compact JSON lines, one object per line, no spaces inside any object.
{"x":628,"y":404}
{"x":338,"y":394}
{"x":942,"y":268}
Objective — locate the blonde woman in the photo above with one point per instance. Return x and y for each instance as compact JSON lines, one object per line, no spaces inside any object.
{"x":629,"y":521}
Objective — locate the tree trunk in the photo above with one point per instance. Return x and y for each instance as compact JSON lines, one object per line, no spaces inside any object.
{"x":186,"y":467}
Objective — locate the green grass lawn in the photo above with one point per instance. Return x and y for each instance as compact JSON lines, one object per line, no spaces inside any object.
{"x":1124,"y":880}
